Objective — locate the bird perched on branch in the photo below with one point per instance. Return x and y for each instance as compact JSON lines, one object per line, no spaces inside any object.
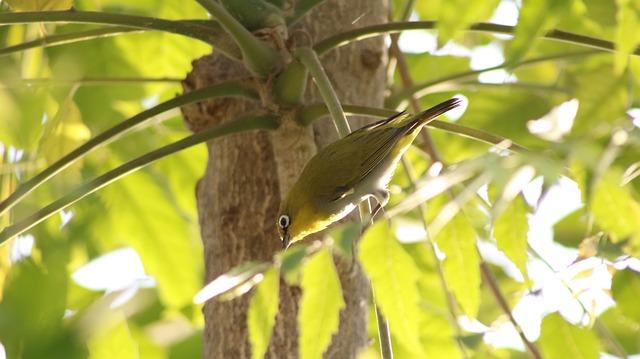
{"x":348,"y":171}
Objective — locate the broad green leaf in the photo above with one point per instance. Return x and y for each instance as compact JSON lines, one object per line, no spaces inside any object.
{"x":456,"y":15}
{"x":626,"y":291}
{"x":536,"y":17}
{"x":605,"y":103}
{"x":559,"y":340}
{"x":320,"y":305}
{"x":614,"y":208}
{"x":142,"y":216}
{"x":462,"y":263}
{"x":510,"y":230}
{"x":40,"y":5}
{"x":627,"y":39}
{"x":261,"y":316}
{"x":624,"y":330}
{"x":114,"y":342}
{"x":394,"y":277}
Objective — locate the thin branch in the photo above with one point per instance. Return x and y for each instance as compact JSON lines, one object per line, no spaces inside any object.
{"x":380,"y":29}
{"x":502,"y":302}
{"x":190,"y":29}
{"x":310,"y":59}
{"x":90,"y":81}
{"x":61,"y":39}
{"x":257,"y":55}
{"x":224,"y":89}
{"x":419,"y":89}
{"x":310,"y":113}
{"x":301,"y":9}
{"x":245,"y":124}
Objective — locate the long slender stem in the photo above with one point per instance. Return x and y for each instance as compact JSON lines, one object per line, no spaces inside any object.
{"x":61,"y":39}
{"x":225,"y":89}
{"x":91,"y":81}
{"x":502,"y":302}
{"x":449,"y":299}
{"x":418,"y":89}
{"x":380,"y":29}
{"x":244,"y":124}
{"x":312,"y":112}
{"x":310,"y":59}
{"x":189,"y":29}
{"x":257,"y":55}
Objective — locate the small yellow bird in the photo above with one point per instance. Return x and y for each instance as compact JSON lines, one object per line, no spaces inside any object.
{"x":348,"y":171}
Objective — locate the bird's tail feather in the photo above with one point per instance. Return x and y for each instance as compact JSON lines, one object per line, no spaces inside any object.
{"x":426,"y":116}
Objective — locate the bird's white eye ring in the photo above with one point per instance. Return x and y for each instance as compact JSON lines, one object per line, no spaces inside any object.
{"x":284,"y":221}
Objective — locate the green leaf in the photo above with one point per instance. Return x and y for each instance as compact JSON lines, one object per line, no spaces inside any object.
{"x":115,"y":342}
{"x":40,"y":5}
{"x":624,"y":330}
{"x":614,"y":208}
{"x":510,"y":230}
{"x":462,"y":263}
{"x":394,"y":277}
{"x":456,"y":15}
{"x":535,"y":18}
{"x":144,"y":218}
{"x":627,"y":39}
{"x":605,"y":103}
{"x":320,"y":305}
{"x":626,"y":291}
{"x":559,"y":339}
{"x":261,"y":316}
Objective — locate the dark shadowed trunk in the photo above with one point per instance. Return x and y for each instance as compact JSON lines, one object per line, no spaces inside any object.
{"x":246,"y":174}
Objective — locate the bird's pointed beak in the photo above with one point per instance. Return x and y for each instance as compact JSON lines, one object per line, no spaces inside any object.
{"x":285,"y":241}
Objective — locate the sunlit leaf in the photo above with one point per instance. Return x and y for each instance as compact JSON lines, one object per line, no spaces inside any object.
{"x":602,"y":104}
{"x":626,"y":291}
{"x":261,"y":316}
{"x":624,"y":330}
{"x":114,"y":342}
{"x":628,"y":17}
{"x":457,"y":15}
{"x":535,"y":18}
{"x":394,"y":278}
{"x":614,"y":208}
{"x":462,"y":263}
{"x":510,"y":230}
{"x":247,"y":273}
{"x":40,"y":5}
{"x":320,"y":305}
{"x":559,"y":339}
{"x":144,"y":218}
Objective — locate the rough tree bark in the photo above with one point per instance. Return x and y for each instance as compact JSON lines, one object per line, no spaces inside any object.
{"x":246,"y":174}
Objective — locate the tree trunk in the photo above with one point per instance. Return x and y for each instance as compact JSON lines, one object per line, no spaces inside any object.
{"x":246,"y":174}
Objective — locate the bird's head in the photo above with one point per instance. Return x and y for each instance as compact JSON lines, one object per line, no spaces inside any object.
{"x":298,"y":218}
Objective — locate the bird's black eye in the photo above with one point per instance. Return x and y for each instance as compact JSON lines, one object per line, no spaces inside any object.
{"x":284,"y":221}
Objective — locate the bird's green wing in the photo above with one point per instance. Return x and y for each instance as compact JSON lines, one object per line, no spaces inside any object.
{"x":347,"y":166}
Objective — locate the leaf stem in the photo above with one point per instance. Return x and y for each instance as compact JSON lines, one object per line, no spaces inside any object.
{"x":224,"y":89}
{"x":310,"y":59}
{"x":419,"y":89}
{"x":502,"y":302}
{"x":61,"y":39}
{"x":245,"y":124}
{"x":312,"y":112}
{"x":257,"y":55}
{"x":190,"y":29}
{"x":380,"y":29}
